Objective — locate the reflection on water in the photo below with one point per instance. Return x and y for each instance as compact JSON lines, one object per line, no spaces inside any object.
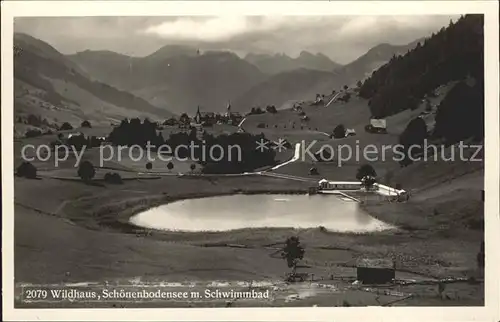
{"x":257,"y":211}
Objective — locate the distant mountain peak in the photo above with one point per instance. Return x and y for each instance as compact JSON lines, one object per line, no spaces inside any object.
{"x":97,"y":53}
{"x":281,"y":62}
{"x":169,"y":51}
{"x":380,"y":47}
{"x":307,"y":77}
{"x":220,"y":53}
{"x":305,"y":53}
{"x":254,"y":55}
{"x":322,"y":55}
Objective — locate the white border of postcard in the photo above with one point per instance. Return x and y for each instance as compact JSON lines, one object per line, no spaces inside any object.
{"x":490,"y":312}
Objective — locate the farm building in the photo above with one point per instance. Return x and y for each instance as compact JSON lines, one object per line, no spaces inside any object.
{"x":375,"y":271}
{"x":377,"y":126}
{"x":350,"y":132}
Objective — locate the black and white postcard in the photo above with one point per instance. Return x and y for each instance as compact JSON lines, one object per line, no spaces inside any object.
{"x":294,"y":161}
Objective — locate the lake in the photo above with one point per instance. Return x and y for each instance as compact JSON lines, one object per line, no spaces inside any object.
{"x":239,"y":211}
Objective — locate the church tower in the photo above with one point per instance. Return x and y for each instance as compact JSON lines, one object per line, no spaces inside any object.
{"x":197,"y":117}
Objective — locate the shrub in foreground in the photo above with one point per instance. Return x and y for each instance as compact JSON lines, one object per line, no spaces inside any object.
{"x":26,"y":170}
{"x":86,"y":171}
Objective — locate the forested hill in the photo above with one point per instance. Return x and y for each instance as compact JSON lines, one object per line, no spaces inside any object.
{"x":454,"y":53}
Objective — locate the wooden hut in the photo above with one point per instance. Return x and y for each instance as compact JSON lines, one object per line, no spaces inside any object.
{"x":375,"y":271}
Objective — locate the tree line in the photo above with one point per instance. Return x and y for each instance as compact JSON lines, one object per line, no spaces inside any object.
{"x":234,"y":160}
{"x":235,"y":153}
{"x":454,"y":54}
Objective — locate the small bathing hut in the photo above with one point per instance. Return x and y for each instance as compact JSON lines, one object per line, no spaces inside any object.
{"x":375,"y":271}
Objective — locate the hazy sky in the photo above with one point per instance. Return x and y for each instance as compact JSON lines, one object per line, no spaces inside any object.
{"x":342,"y":38}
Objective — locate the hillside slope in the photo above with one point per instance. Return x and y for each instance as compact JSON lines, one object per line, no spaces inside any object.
{"x":293,"y":85}
{"x":454,"y":53}
{"x":49,"y":85}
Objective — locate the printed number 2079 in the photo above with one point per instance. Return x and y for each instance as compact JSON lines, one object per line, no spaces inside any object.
{"x":35,"y":294}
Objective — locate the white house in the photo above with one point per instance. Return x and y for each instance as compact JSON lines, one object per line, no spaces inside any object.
{"x":396,"y":194}
{"x":389,"y":191}
{"x":324,"y":184}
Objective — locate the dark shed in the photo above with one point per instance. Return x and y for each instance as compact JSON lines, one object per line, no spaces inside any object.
{"x":375,"y":271}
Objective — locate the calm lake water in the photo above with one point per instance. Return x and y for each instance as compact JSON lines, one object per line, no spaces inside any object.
{"x":256,"y":211}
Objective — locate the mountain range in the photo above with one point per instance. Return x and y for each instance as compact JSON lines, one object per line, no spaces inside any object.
{"x":107,"y":86}
{"x":303,"y":84}
{"x":278,"y":63}
{"x":50,"y":85}
{"x":173,"y":79}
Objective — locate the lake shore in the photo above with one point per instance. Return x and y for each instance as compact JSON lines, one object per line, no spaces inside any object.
{"x":89,"y":226}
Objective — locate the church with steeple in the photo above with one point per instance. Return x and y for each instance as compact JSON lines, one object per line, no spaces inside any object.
{"x":228,"y":110}
{"x":197,"y":117}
